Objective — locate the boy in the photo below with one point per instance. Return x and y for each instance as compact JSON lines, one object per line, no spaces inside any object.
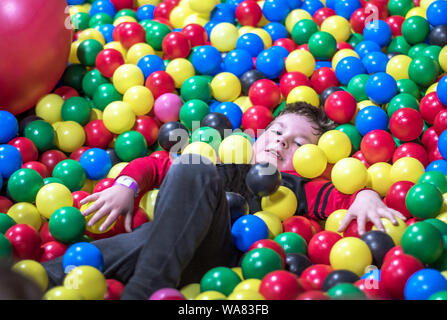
{"x":191,"y":231}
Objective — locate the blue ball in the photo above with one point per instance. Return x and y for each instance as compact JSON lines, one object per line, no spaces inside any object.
{"x":321,"y":64}
{"x":378,"y":31}
{"x":232,"y":111}
{"x":238,"y":62}
{"x":275,"y":10}
{"x":437,"y":13}
{"x":10,"y":126}
{"x":375,"y":62}
{"x":247,"y":230}
{"x":250,"y":42}
{"x":10,"y":160}
{"x":276,"y":31}
{"x":424,"y":283}
{"x":442,"y":144}
{"x":294,"y":4}
{"x":372,"y":275}
{"x":371,"y":118}
{"x":312,"y":6}
{"x":222,"y":13}
{"x":209,"y":27}
{"x":346,"y":8}
{"x":213,"y":104}
{"x":281,"y":50}
{"x":146,"y":12}
{"x":106,"y":31}
{"x":347,"y":68}
{"x":441,"y":90}
{"x":96,"y":163}
{"x":365,"y":47}
{"x":206,"y":60}
{"x":82,"y":254}
{"x":103,"y":6}
{"x":437,"y":165}
{"x":75,"y":2}
{"x":234,"y":3}
{"x":331,"y":4}
{"x":381,"y":87}
{"x":150,"y":63}
{"x":270,"y":62}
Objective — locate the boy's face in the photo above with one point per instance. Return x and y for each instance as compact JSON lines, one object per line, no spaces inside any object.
{"x":279,"y":142}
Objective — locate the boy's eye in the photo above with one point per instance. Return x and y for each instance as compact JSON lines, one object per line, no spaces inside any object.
{"x":277,"y":132}
{"x":298,"y":144}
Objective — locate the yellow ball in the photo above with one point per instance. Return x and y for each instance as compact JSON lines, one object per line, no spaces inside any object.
{"x":118,"y":117}
{"x":49,"y":108}
{"x":25,"y":213}
{"x":88,"y":281}
{"x":294,"y":16}
{"x":95,"y":228}
{"x":76,"y":9}
{"x":442,"y":216}
{"x":138,"y":51}
{"x":432,"y":88}
{"x":397,"y":67}
{"x":335,"y":144}
{"x":272,"y":221}
{"x":245,"y":29}
{"x":235,"y":149}
{"x":425,"y":3}
{"x":123,"y":19}
{"x":224,"y":36}
{"x":351,"y":254}
{"x":70,"y":136}
{"x":444,"y":203}
{"x":337,"y":26}
{"x":302,"y":61}
{"x":249,"y":284}
{"x":343,"y":53}
{"x":244,"y":103}
{"x":202,"y":148}
{"x":88,"y":186}
{"x":126,"y":76}
{"x":238,"y":271}
{"x":147,"y":203}
{"x":416,"y":11}
{"x":395,"y":232}
{"x":211,"y":295}
{"x":225,"y":87}
{"x":52,"y":197}
{"x":140,"y":99}
{"x":116,"y":170}
{"x":191,"y":291}
{"x":178,"y":16}
{"x":95,"y":114}
{"x":379,"y":177}
{"x":195,"y":18}
{"x":117,"y":46}
{"x":73,"y":58}
{"x":34,"y":271}
{"x":304,"y":93}
{"x":245,"y":295}
{"x":180,"y":69}
{"x":406,"y":169}
{"x":334,"y":220}
{"x":443,"y":58}
{"x":349,"y":175}
{"x":62,"y":293}
{"x":91,"y":34}
{"x":265,"y":36}
{"x":140,"y":3}
{"x":309,"y":161}
{"x":282,"y":203}
{"x":360,"y":106}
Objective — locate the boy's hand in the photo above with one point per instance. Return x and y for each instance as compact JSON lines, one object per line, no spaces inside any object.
{"x":114,"y":201}
{"x":368,"y":206}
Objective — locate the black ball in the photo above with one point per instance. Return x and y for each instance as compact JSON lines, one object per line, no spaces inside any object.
{"x":218,"y":121}
{"x":173,"y":137}
{"x":113,"y":156}
{"x":389,"y":55}
{"x":339,"y":276}
{"x":379,"y":243}
{"x":297,"y":263}
{"x":25,"y":121}
{"x":237,"y":204}
{"x":263,"y":179}
{"x":438,"y":35}
{"x":327,"y":92}
{"x":248,"y":78}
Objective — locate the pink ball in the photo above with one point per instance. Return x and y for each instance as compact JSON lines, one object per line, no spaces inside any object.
{"x":167,"y":107}
{"x":167,"y":294}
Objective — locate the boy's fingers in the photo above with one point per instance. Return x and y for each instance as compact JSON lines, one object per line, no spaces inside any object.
{"x":95,"y":206}
{"x":90,"y":198}
{"x":128,"y":222}
{"x":97,"y":216}
{"x":388,"y":215}
{"x":110,"y":219}
{"x":378,"y":223}
{"x":361,"y":221}
{"x":345,"y":222}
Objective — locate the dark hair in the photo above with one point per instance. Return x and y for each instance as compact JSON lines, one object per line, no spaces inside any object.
{"x":314,"y":114}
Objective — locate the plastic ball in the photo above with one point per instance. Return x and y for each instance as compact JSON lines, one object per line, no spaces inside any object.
{"x":351,"y":254}
{"x":71,"y":173}
{"x":170,"y":134}
{"x":24,"y":213}
{"x":424,"y":283}
{"x":235,"y":149}
{"x":378,"y":146}
{"x":24,"y":184}
{"x":441,"y":90}
{"x":41,"y":133}
{"x":67,"y":225}
{"x":301,"y":61}
{"x":238,"y":62}
{"x":335,"y":144}
{"x":320,"y":246}
{"x":247,"y":230}
{"x":309,"y":161}
{"x":70,"y":136}
{"x":349,"y":175}
{"x":52,"y":197}
{"x":371,"y":118}
{"x":304,"y":93}
{"x":257,"y":263}
{"x":265,"y":92}
{"x":33,"y":271}
{"x":338,"y":27}
{"x":225,"y":86}
{"x":25,"y":242}
{"x":206,"y":59}
{"x":282,"y":203}
{"x":436,"y":13}
{"x":379,"y":177}
{"x":96,"y":163}
{"x":250,"y":42}
{"x":256,"y":119}
{"x":339,"y":276}
{"x":424,"y":200}
{"x":203,"y":149}
{"x":340,"y":106}
{"x":422,"y":232}
{"x":270,"y":62}
{"x":88,"y":281}
{"x":378,"y":31}
{"x":406,"y":169}
{"x":220,"y":279}
{"x":224,"y":36}
{"x":118,"y":117}
{"x":82,"y":254}
{"x":280,"y":285}
{"x":396,"y":194}
{"x":381,"y":87}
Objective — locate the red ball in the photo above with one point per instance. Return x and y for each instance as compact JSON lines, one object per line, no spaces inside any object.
{"x":160,"y":154}
{"x":286,"y":43}
{"x":304,"y":46}
{"x":268,"y":243}
{"x":160,"y":82}
{"x":97,"y":135}
{"x":440,"y":121}
{"x":114,"y":290}
{"x":5,"y":204}
{"x":122,"y":4}
{"x":25,"y":242}
{"x":292,"y":80}
{"x":107,"y":61}
{"x":360,"y":156}
{"x":164,"y":21}
{"x":378,"y":146}
{"x":129,"y":33}
{"x":430,"y":138}
{"x":322,"y":14}
{"x":45,"y":234}
{"x":163,"y":10}
{"x":256,"y":119}
{"x":396,"y":271}
{"x":377,"y":6}
{"x":430,"y":106}
{"x":395,"y":23}
{"x":315,"y":226}
{"x":373,"y":289}
{"x":52,"y":250}
{"x":406,"y":124}
{"x":396,"y":194}
{"x":411,"y":149}
{"x":343,"y":45}
{"x":393,"y":252}
{"x":358,"y":19}
{"x":78,"y":196}
{"x":280,"y":285}
{"x":51,"y":158}
{"x":196,"y":34}
{"x":176,"y":45}
{"x":265,"y":92}
{"x":313,"y":295}
{"x":77,"y":154}
{"x":299,"y":225}
{"x":26,"y":147}
{"x":312,"y":278}
{"x":66,"y":92}
{"x":248,"y":13}
{"x":324,"y":78}
{"x":139,"y":218}
{"x":320,"y":246}
{"x":411,"y":221}
{"x":340,"y":106}
{"x":103,"y":184}
{"x":434,"y":155}
{"x":148,"y":127}
{"x":39,"y":167}
{"x":352,"y":229}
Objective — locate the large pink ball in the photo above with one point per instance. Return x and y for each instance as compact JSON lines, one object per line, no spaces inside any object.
{"x":167,"y":294}
{"x":167,"y":107}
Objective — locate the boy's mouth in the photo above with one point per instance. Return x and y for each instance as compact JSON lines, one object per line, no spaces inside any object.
{"x":275,"y":153}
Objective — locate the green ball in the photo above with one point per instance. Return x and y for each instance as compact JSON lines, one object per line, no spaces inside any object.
{"x":92,"y":80}
{"x":104,"y":95}
{"x":280,"y":108}
{"x":208,"y":135}
{"x":400,"y":45}
{"x":76,"y":109}
{"x":417,"y":50}
{"x":355,"y":39}
{"x":41,"y":133}
{"x":353,"y":134}
{"x":73,"y":76}
{"x":346,"y":291}
{"x":440,"y":263}
{"x":440,"y":295}
{"x":80,"y":21}
{"x":356,"y":87}
{"x":438,"y":224}
{"x":196,"y":87}
{"x":423,"y":71}
{"x":87,"y":52}
{"x":423,"y":241}
{"x":100,"y":19}
{"x":6,"y":222}
{"x":5,"y":248}
{"x":408,"y":86}
{"x":292,"y":242}
{"x":322,"y":45}
{"x":302,"y":30}
{"x":400,"y":7}
{"x":126,"y":13}
{"x":415,"y":29}
{"x":436,"y":178}
{"x":130,"y":145}
{"x":220,"y":279}
{"x":433,"y":52}
{"x":71,"y":173}
{"x":155,"y":34}
{"x":24,"y":184}
{"x":402,"y":100}
{"x":257,"y":263}
{"x":192,"y":112}
{"x":424,"y":200}
{"x":49,"y":180}
{"x":67,"y":225}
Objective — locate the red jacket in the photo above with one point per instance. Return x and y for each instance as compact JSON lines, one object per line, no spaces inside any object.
{"x":321,"y":196}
